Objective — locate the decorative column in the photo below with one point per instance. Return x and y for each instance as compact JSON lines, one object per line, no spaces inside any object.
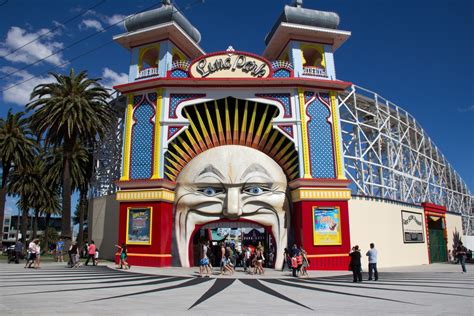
{"x":320,"y":208}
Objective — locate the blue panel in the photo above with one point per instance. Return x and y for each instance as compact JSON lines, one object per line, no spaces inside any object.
{"x":178,"y":73}
{"x":281,"y":73}
{"x":142,"y":142}
{"x":283,"y":98}
{"x":320,"y":139}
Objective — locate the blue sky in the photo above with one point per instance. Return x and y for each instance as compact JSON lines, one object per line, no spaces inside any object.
{"x":417,"y":54}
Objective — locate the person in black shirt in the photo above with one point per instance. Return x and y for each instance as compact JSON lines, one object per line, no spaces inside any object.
{"x":356,"y":264}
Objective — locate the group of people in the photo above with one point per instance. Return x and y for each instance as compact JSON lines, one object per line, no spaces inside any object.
{"x":356,"y":266}
{"x":252,"y":259}
{"x":297,"y":261}
{"x":74,"y":254}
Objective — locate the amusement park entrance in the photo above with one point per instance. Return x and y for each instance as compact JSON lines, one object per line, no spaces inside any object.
{"x":234,"y":235}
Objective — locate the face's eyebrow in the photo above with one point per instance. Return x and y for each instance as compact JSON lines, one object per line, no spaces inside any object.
{"x":210,"y":170}
{"x":256,"y":168}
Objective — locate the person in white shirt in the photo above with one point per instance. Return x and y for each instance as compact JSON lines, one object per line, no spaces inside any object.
{"x":372,"y":254}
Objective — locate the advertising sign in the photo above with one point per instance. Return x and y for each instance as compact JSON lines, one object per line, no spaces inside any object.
{"x":412,"y":224}
{"x":139,"y":226}
{"x":326,"y":227}
{"x":230,"y":65}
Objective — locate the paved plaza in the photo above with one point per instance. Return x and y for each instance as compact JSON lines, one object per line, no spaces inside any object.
{"x":54,"y":289}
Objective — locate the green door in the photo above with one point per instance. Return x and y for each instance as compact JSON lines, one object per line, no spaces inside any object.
{"x":437,"y":246}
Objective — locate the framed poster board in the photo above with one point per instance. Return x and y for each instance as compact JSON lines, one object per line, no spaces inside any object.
{"x":326,"y":226}
{"x":412,"y":224}
{"x":139,"y":225}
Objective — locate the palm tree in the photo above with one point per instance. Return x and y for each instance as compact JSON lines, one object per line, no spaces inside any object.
{"x":25,"y":183}
{"x":81,"y":172}
{"x":16,"y":144}
{"x":73,"y":109}
{"x":50,"y":206}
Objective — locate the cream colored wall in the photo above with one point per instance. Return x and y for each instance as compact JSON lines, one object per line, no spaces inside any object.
{"x":381,"y":223}
{"x":453,"y":222}
{"x":103,"y":224}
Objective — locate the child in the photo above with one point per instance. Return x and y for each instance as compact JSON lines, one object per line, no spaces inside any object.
{"x":96,"y":256}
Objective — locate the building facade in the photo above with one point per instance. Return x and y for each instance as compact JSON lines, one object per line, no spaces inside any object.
{"x":231,"y":143}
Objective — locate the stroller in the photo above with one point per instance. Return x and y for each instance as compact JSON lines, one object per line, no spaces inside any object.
{"x":12,"y":254}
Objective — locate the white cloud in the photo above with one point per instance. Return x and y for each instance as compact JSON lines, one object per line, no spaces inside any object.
{"x":20,"y":94}
{"x":91,"y":24}
{"x":116,"y":18}
{"x":111,"y":78}
{"x":34,"y":51}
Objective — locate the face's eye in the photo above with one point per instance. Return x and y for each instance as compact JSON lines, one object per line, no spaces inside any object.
{"x":211,"y":191}
{"x":255,"y":190}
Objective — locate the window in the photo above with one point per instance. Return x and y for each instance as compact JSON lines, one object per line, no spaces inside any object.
{"x":6,"y":229}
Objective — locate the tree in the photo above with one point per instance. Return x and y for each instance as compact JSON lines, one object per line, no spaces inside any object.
{"x":16,"y":143}
{"x":73,"y":109}
{"x":81,"y":172}
{"x":25,"y":183}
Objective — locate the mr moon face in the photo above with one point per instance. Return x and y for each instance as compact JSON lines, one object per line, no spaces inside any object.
{"x":231,"y":182}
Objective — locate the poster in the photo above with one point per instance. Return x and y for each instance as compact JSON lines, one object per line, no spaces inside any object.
{"x":326,"y":227}
{"x":412,"y":224}
{"x":139,"y":226}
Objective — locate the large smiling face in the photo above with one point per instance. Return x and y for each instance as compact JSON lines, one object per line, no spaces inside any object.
{"x":231,"y":182}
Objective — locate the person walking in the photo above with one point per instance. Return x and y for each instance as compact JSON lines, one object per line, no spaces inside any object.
{"x":204,"y":260}
{"x":59,"y":251}
{"x":246,"y":258}
{"x":38,"y":254}
{"x":372,"y":254}
{"x":91,"y":253}
{"x":123,"y":256}
{"x":74,"y":255}
{"x":461,"y":252}
{"x":304,"y":268}
{"x":31,"y":257}
{"x":286,"y":259}
{"x":355,"y":264}
{"x":294,"y":265}
{"x":18,"y":251}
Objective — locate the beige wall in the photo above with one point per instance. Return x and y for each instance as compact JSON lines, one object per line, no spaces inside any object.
{"x":103,"y":223}
{"x":453,"y":222}
{"x":380,"y":222}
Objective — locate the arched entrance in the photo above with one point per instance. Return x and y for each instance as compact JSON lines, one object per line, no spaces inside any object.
{"x":235,"y":235}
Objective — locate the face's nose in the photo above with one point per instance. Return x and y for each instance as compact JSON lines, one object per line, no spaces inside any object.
{"x":232,"y":203}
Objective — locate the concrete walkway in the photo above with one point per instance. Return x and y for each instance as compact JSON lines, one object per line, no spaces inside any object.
{"x":54,"y":289}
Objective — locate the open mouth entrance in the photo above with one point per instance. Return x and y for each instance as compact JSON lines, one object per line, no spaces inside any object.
{"x":235,"y":235}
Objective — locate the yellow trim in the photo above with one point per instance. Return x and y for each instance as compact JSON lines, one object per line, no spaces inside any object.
{"x":128,"y":136}
{"x":179,"y":53}
{"x":151,"y":226}
{"x":328,"y":255}
{"x":157,"y":137}
{"x":320,"y":194}
{"x":337,"y":137}
{"x":142,"y":52}
{"x":304,"y":135}
{"x":160,"y":255}
{"x":317,"y":47}
{"x":146,"y":195}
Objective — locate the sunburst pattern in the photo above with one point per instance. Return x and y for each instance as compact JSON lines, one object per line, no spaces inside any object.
{"x":230,"y":121}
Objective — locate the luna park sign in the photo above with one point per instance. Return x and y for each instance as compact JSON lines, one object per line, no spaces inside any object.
{"x":230,"y":65}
